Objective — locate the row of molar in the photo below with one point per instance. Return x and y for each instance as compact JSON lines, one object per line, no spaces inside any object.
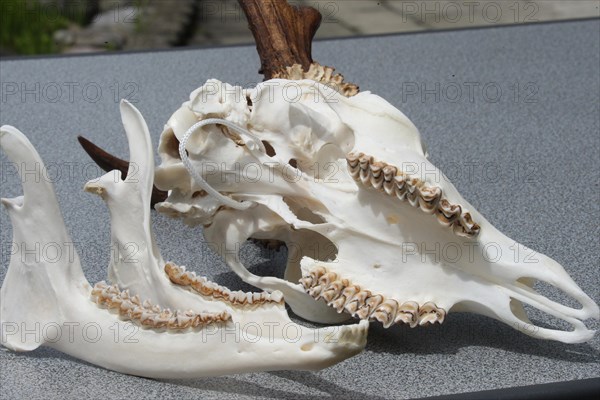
{"x":148,"y":315}
{"x":321,"y":74}
{"x":394,"y":182}
{"x":179,"y":276}
{"x":342,"y":295}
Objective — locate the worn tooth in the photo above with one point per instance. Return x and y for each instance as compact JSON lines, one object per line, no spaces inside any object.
{"x":374,"y":301}
{"x":365,"y":176}
{"x":327,"y":278}
{"x":400,"y":186}
{"x":377,"y":183}
{"x":318,"y":272}
{"x":316,"y":291}
{"x":276,"y":296}
{"x":389,"y":172}
{"x":339,"y":303}
{"x":386,"y":312}
{"x":352,"y":160}
{"x":206,"y":289}
{"x":364,"y":161}
{"x":307,"y":281}
{"x":357,"y":301}
{"x":350,"y":291}
{"x":376,"y":168}
{"x":429,"y":197}
{"x":413,"y":198}
{"x":183,"y":321}
{"x":352,"y":307}
{"x":389,"y":187}
{"x":333,"y":291}
{"x":369,"y":306}
{"x":136,"y":300}
{"x":430,"y":313}
{"x":363,"y":312}
{"x":147,"y":304}
{"x":408,"y":313}
{"x":427,"y":319}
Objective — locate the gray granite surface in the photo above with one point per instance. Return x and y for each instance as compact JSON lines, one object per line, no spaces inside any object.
{"x":528,"y":159}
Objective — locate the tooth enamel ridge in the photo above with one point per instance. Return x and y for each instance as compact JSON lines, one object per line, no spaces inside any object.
{"x":344,"y":296}
{"x":179,"y":276}
{"x":321,"y":74}
{"x":429,"y":199}
{"x":148,"y":315}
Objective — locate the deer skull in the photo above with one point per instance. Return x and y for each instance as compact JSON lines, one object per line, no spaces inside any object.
{"x":373,"y":228}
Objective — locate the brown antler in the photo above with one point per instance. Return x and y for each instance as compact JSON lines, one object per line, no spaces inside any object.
{"x":283,"y":33}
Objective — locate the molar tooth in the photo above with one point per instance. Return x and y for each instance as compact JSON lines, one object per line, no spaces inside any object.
{"x":408,"y":313}
{"x":386,"y":312}
{"x":333,"y":291}
{"x":307,"y":281}
{"x":376,"y":182}
{"x":413,"y":198}
{"x":400,"y":189}
{"x":327,"y":278}
{"x":364,"y":160}
{"x":338,"y":303}
{"x":363,"y":312}
{"x":357,"y":301}
{"x":376,"y":169}
{"x":369,"y":306}
{"x":430,"y":313}
{"x":318,"y":272}
{"x":365,"y":176}
{"x":389,"y":187}
{"x":389,"y":172}
{"x":351,"y":307}
{"x":316,"y":291}
{"x":429,"y":198}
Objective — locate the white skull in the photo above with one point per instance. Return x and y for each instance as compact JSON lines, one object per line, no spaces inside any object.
{"x":373,"y":229}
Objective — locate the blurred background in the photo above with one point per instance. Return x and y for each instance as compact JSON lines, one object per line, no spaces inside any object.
{"x":34,"y":27}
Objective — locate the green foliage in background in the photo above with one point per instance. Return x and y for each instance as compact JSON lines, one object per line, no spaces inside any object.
{"x":26,"y":27}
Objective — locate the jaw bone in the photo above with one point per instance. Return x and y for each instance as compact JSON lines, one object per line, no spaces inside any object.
{"x":374,"y":229}
{"x":206,"y":335}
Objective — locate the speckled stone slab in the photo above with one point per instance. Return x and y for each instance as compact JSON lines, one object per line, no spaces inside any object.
{"x":509,"y":113}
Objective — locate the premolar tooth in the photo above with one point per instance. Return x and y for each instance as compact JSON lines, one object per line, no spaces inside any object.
{"x":352,"y":160}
